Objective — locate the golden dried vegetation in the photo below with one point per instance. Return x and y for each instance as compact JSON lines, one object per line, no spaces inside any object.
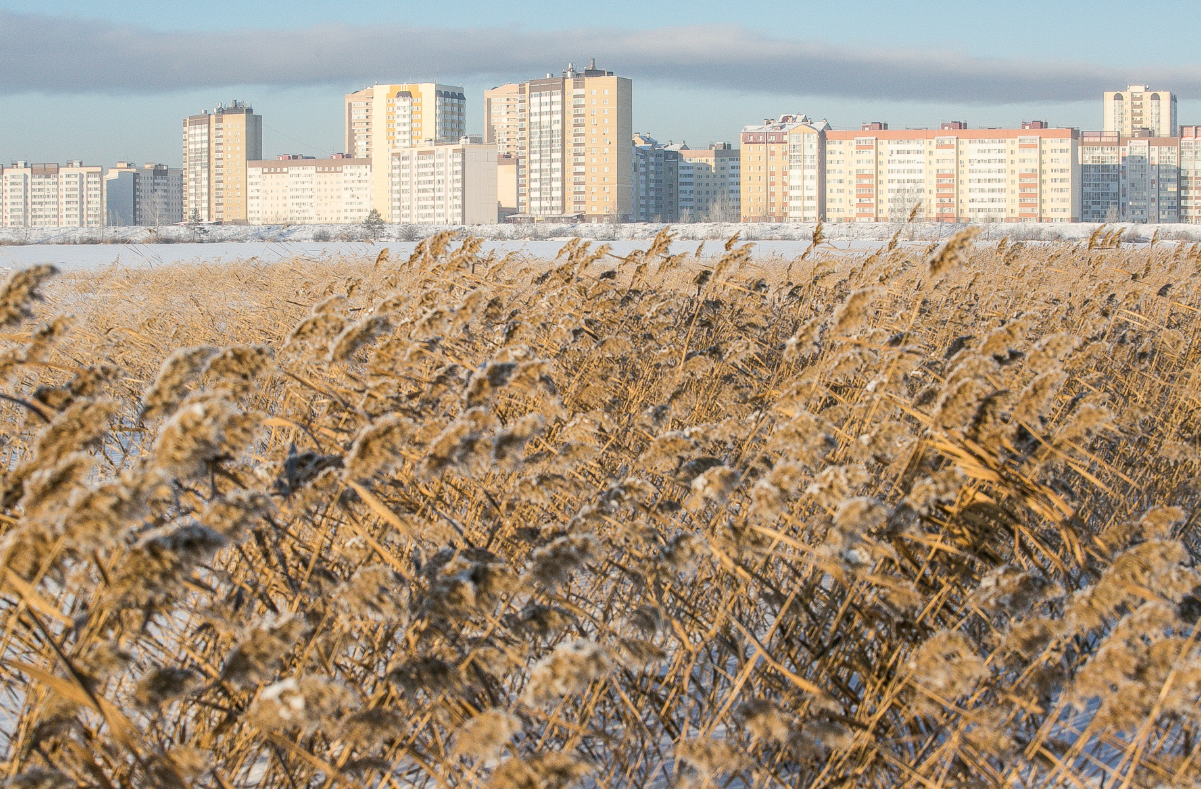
{"x":914,"y":518}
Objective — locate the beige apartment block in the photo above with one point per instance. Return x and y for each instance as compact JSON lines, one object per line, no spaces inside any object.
{"x":1140,"y":110}
{"x":716,"y":178}
{"x":453,"y":184}
{"x":504,"y":119}
{"x":384,"y":117}
{"x":51,"y":195}
{"x":952,"y":174}
{"x":309,"y":191}
{"x":506,"y":185}
{"x":217,"y":145}
{"x":575,"y":161}
{"x":765,"y":166}
{"x":1190,"y":174}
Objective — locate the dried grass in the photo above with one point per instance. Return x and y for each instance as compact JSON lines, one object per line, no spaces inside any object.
{"x":911,"y":519}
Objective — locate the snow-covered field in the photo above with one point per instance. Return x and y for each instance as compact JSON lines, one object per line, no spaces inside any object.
{"x":89,"y":248}
{"x":878,"y":231}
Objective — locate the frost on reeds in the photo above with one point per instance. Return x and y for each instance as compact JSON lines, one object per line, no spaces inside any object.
{"x":923,"y":518}
{"x":20,"y":290}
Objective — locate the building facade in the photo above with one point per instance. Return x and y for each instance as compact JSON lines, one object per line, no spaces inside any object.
{"x":716,"y":176}
{"x":1140,"y":110}
{"x":1132,"y":179}
{"x":656,"y":180}
{"x":307,"y":191}
{"x":217,"y":145}
{"x":1190,"y":174}
{"x":765,"y":164}
{"x":148,"y":196}
{"x":452,"y":184}
{"x":505,"y":119}
{"x":952,"y":174}
{"x":384,"y":117}
{"x":574,"y":158}
{"x":51,"y":195}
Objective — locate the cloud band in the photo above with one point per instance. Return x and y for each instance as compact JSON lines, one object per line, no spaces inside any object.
{"x":57,"y":55}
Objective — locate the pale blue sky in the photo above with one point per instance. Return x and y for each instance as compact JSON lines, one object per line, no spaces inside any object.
{"x":701,"y":70}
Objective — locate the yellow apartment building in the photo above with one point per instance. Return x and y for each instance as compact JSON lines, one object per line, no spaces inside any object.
{"x":384,"y":117}
{"x":952,"y":174}
{"x":575,"y":161}
{"x":216,"y":148}
{"x":765,"y":166}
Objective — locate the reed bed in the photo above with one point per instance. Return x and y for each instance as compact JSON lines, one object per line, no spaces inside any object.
{"x":925,"y":517}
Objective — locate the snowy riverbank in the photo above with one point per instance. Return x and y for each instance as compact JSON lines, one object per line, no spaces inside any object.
{"x":308,"y":234}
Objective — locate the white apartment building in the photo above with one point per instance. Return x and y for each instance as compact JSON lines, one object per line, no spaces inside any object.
{"x":1190,"y":174}
{"x":51,"y":195}
{"x":148,"y":196}
{"x":1138,"y":110}
{"x":656,"y":179}
{"x":1130,"y":179}
{"x":685,"y":183}
{"x":452,"y":184}
{"x":1150,"y":179}
{"x":307,"y":191}
{"x":716,"y":175}
{"x":1100,"y":176}
{"x":952,"y":174}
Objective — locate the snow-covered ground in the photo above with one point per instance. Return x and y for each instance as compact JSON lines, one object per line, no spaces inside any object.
{"x":540,"y":232}
{"x":91,"y":248}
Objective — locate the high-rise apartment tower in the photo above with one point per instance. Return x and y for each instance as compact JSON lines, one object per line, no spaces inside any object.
{"x":1139,"y":108}
{"x":571,"y":137}
{"x":216,"y":146}
{"x":384,"y":117}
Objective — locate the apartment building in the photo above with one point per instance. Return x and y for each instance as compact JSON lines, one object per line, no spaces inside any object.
{"x":1100,"y":176}
{"x":506,"y":185}
{"x":1140,"y":110}
{"x":656,"y":181}
{"x":51,"y":195}
{"x":574,"y":158}
{"x":452,"y":184}
{"x":302,"y":190}
{"x":950,"y":174}
{"x":685,"y":183}
{"x":716,"y":176}
{"x":217,"y":145}
{"x":765,"y":166}
{"x":382,"y":118}
{"x":1150,"y":179}
{"x":1190,"y":174}
{"x":504,"y":119}
{"x":1131,"y":179}
{"x":150,"y":195}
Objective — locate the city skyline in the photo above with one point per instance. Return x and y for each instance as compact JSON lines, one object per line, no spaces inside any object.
{"x":83,"y":71}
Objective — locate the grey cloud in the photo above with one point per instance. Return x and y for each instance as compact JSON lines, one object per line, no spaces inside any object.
{"x":57,"y":55}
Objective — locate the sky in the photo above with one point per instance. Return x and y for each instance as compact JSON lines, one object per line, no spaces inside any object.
{"x":113,"y":81}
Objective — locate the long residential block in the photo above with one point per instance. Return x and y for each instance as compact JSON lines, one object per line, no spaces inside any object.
{"x":51,"y":195}
{"x":307,"y":191}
